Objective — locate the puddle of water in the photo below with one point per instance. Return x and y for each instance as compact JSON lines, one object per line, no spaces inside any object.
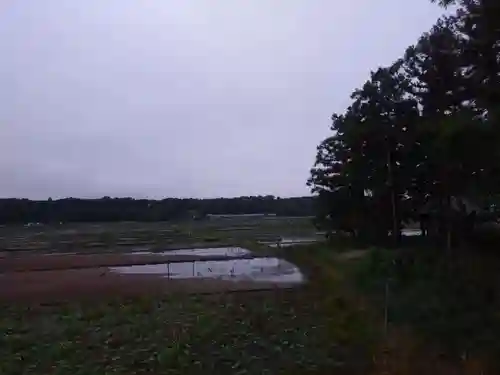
{"x":286,"y":242}
{"x":289,"y":244}
{"x":257,"y":269}
{"x":230,"y":252}
{"x":212,"y":251}
{"x":298,"y":240}
{"x":411,"y":232}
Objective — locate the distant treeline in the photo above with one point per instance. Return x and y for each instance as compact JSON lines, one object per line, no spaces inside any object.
{"x":129,"y":209}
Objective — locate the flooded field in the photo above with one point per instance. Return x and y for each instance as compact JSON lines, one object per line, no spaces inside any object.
{"x":198,"y":270}
{"x":82,"y":259}
{"x":53,"y":261}
{"x":295,"y":241}
{"x":257,"y":269}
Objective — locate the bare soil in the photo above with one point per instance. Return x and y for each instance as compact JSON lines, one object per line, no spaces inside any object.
{"x":98,"y":283}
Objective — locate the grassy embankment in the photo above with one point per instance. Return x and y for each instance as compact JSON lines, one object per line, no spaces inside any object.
{"x":438,"y":311}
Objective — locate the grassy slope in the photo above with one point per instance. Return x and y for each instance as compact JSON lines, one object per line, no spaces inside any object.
{"x":442,"y":311}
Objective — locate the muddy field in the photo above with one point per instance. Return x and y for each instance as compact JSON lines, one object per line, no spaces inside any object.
{"x":99,"y":283}
{"x":61,"y":277}
{"x":35,"y":262}
{"x":79,"y":258}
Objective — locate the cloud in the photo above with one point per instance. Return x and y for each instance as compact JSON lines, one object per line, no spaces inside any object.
{"x":183,"y":98}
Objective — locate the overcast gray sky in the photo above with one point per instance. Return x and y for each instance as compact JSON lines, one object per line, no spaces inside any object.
{"x":201,"y":98}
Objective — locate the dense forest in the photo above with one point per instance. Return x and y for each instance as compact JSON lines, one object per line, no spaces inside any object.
{"x":129,"y":209}
{"x":421,"y":137}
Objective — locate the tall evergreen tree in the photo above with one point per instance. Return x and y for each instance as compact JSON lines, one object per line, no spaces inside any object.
{"x":422,"y":131}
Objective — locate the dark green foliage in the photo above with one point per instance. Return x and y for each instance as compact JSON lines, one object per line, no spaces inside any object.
{"x":129,"y":209}
{"x":423,"y":131}
{"x":454,"y":305}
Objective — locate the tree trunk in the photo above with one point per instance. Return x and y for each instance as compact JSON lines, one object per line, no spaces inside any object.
{"x":396,"y":227}
{"x":448,"y":223}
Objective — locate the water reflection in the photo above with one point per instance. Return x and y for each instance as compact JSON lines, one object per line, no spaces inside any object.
{"x":291,"y":241}
{"x":257,"y":269}
{"x":286,"y":242}
{"x":231,"y":252}
{"x":411,"y":232}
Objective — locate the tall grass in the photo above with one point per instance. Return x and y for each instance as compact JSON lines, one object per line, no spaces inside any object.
{"x":449,"y":302}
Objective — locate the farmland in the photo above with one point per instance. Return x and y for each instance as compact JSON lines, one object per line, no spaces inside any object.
{"x":60,"y":283}
{"x":119,"y":258}
{"x":126,"y":236}
{"x":152,"y":304}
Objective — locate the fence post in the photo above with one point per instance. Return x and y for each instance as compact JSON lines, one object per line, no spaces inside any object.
{"x":386,"y":307}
